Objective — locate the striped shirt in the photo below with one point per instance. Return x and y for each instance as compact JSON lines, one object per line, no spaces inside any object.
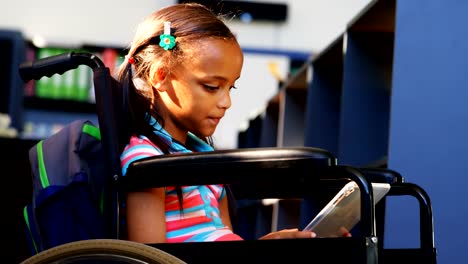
{"x":200,"y":218}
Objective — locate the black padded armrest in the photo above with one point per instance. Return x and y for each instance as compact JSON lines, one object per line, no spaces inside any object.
{"x":227,"y":166}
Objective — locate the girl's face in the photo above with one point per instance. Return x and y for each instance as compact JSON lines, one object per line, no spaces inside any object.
{"x":197,"y":93}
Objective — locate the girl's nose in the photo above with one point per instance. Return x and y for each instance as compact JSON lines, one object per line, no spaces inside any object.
{"x":225,"y":100}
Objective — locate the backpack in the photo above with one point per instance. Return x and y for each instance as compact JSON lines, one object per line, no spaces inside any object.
{"x":69,"y":180}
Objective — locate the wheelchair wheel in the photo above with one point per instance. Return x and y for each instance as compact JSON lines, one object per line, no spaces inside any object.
{"x":103,"y":251}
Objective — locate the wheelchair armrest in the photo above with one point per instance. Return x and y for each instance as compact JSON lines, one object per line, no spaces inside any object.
{"x":265,"y":165}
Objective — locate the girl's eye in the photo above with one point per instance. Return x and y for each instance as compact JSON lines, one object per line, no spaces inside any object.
{"x":210,"y":88}
{"x":232,"y":87}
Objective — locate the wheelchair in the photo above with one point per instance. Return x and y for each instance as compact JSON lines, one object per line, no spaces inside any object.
{"x":252,"y":173}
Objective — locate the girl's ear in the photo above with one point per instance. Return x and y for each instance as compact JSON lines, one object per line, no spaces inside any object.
{"x":158,"y":79}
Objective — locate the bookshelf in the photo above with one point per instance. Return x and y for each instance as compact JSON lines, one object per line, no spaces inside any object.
{"x":292,"y":106}
{"x":322,"y":115}
{"x":339,"y":100}
{"x":366,"y":88}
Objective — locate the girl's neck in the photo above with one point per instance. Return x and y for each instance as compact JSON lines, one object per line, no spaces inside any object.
{"x":176,"y":134}
{"x":171,"y":128}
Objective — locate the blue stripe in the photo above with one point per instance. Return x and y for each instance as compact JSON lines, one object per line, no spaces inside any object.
{"x":187,"y":230}
{"x":200,"y":237}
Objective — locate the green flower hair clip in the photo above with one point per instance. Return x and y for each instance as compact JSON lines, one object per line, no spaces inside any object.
{"x":167,"y":41}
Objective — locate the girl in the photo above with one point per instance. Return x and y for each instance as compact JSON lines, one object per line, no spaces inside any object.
{"x":180,"y":69}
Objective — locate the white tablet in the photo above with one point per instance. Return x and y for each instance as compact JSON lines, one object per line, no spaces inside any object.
{"x":343,"y":212}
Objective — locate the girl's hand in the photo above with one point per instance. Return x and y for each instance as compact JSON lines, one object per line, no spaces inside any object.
{"x":289,"y":233}
{"x":295,"y":233}
{"x":345,"y":232}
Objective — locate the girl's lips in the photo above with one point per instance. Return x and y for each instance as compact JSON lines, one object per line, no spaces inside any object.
{"x":215,"y":120}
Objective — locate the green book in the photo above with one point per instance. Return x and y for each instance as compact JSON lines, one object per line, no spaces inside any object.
{"x":43,"y":85}
{"x":82,"y":83}
{"x":57,"y":80}
{"x":67,"y":85}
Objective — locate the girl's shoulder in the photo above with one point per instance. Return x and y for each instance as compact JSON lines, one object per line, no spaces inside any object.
{"x":142,"y":143}
{"x":138,"y":147}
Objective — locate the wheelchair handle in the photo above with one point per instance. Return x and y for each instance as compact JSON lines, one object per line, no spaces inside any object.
{"x":35,"y":70}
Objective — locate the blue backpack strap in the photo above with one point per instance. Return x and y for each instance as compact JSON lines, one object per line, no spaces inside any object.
{"x":68,"y":180}
{"x":33,"y":236}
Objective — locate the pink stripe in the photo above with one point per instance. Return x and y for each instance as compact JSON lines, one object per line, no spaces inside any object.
{"x":229,"y":237}
{"x":187,"y":222}
{"x":133,"y":155}
{"x":171,"y":205}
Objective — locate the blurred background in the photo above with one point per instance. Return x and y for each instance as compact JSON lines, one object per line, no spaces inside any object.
{"x":377,"y":82}
{"x":269,"y":42}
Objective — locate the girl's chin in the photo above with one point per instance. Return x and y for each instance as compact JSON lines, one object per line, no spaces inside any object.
{"x":209,"y":129}
{"x":204,"y":133}
{"x":208,"y":133}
